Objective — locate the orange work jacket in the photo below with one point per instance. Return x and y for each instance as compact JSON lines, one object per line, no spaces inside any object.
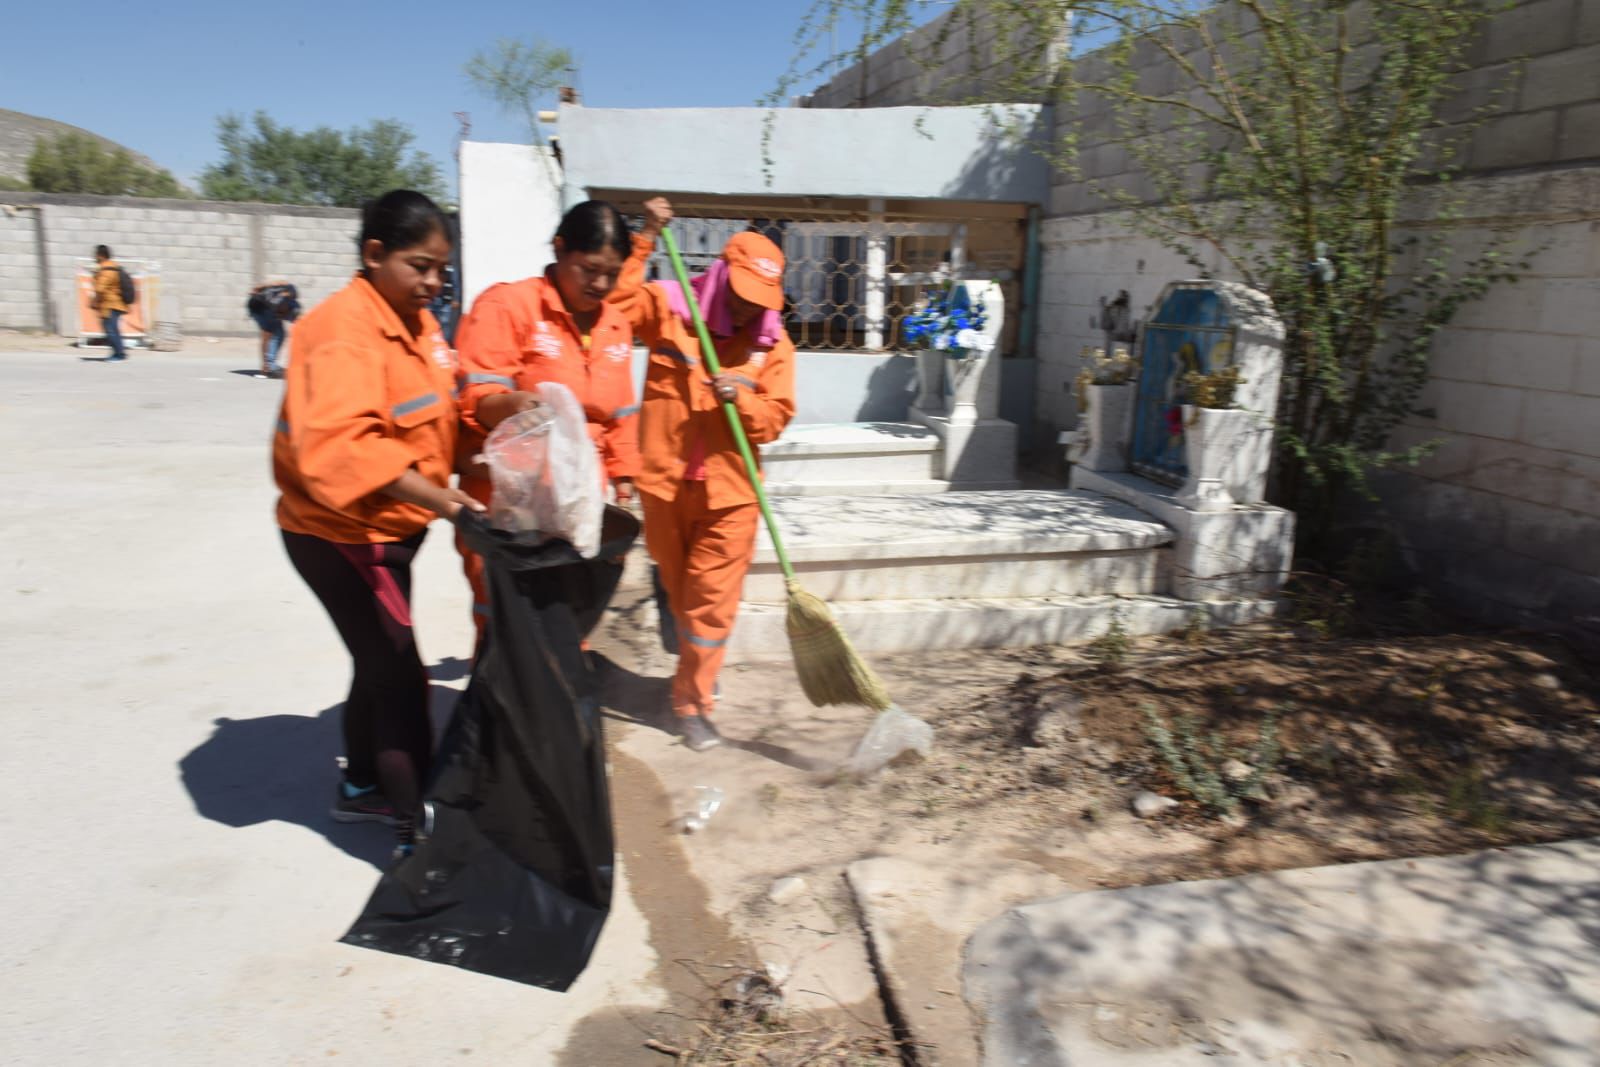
{"x":363,"y":402}
{"x":519,"y":334}
{"x":681,"y":415}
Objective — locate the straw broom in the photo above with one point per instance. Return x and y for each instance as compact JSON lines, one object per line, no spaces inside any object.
{"x":829,"y":669}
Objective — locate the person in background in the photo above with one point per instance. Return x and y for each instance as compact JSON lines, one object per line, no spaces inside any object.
{"x":107,"y":301}
{"x":363,"y":453}
{"x":555,"y":328}
{"x":700,"y":511}
{"x":273,"y":305}
{"x":446,"y":306}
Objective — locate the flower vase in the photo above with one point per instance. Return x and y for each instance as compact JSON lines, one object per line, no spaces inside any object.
{"x":962,"y":371}
{"x":1107,"y":420}
{"x":930,"y":381}
{"x":1212,"y":438}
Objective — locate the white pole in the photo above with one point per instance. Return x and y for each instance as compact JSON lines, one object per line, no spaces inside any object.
{"x":877,"y":270}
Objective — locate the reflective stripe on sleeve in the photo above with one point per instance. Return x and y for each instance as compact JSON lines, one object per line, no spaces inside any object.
{"x":406,"y":407}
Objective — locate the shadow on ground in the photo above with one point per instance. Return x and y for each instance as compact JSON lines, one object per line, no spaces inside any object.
{"x":282,"y":768}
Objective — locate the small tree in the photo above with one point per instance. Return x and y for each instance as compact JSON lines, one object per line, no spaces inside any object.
{"x":1284,"y":150}
{"x":518,"y":75}
{"x":274,"y":164}
{"x":72,"y":162}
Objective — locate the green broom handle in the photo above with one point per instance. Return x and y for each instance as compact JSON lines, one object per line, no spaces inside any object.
{"x":708,"y":352}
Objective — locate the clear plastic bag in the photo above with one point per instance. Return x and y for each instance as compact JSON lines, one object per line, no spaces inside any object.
{"x":895,"y":736}
{"x":545,"y":471}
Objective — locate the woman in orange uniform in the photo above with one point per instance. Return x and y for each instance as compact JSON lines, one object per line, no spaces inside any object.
{"x":700,"y":511}
{"x":555,"y":328}
{"x":363,"y":454}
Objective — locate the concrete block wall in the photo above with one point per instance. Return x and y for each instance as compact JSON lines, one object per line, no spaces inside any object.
{"x":21,"y":295}
{"x":947,"y":61}
{"x":1536,"y":63}
{"x":209,"y":254}
{"x":1506,"y":511}
{"x":317,"y":253}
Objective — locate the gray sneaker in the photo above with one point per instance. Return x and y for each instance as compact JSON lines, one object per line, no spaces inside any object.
{"x":697,"y":732}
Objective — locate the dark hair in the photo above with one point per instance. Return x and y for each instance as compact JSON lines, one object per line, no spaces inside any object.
{"x":593,"y":225}
{"x":401,"y":218}
{"x":102,"y":252}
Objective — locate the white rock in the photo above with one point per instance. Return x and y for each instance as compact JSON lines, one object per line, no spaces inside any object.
{"x":1148,"y":805}
{"x":1547,"y":681}
{"x":1236,"y":770}
{"x":786,"y":889}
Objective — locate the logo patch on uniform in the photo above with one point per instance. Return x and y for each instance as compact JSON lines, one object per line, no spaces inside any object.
{"x":619,"y":352}
{"x":545,"y":342}
{"x":442,"y":353}
{"x":758,"y":359}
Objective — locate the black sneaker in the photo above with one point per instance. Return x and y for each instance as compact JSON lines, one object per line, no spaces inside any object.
{"x":697,"y":732}
{"x":365,"y":805}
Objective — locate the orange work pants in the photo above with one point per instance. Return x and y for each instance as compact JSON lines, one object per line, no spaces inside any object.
{"x":703,"y":555}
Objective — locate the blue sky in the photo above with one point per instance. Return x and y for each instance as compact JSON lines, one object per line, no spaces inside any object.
{"x":155,"y":75}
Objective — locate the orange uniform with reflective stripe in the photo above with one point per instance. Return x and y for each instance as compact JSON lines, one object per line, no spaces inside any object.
{"x":680,"y":413}
{"x":700,"y":528}
{"x":363,"y":402}
{"x":519,"y":334}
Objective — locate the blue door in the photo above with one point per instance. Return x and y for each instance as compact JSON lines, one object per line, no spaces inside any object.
{"x":1191,"y":331}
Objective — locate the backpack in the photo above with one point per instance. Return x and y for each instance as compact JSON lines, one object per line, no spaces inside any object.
{"x":283,"y":301}
{"x":125,"y":288}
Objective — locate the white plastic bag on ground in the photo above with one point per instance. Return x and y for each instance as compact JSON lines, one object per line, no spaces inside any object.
{"x":545,"y":471}
{"x":895,"y":736}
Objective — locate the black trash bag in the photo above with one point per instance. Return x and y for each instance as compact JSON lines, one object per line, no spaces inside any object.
{"x":514,"y":875}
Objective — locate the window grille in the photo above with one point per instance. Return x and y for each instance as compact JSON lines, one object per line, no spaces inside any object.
{"x":851,"y":277}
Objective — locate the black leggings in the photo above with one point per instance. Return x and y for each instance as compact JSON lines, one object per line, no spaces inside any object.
{"x":366,"y":590}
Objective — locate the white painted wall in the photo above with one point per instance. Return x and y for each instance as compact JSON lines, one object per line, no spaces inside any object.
{"x":510,"y":208}
{"x":954,"y":153}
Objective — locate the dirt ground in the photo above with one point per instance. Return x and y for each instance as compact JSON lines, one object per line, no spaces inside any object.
{"x":1383,"y":745}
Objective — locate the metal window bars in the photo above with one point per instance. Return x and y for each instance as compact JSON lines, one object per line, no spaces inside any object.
{"x":853,"y":276}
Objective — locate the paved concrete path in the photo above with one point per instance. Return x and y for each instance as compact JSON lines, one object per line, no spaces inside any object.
{"x":1492,"y":958}
{"x":173,"y":888}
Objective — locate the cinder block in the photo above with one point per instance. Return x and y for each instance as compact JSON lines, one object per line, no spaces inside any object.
{"x":1566,"y":422}
{"x":1588,"y":22}
{"x":1588,"y":367}
{"x":1570,"y":306}
{"x":1581,"y":488}
{"x":1515,"y":470}
{"x":1580,"y":132}
{"x":1551,"y":535}
{"x":1482,"y":410}
{"x":1482,"y":87}
{"x":1514,"y":141}
{"x":1568,"y":77}
{"x":1464,"y":355}
{"x":1529,"y":30}
{"x":1535,"y":361}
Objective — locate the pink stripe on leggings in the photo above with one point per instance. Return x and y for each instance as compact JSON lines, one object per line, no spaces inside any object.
{"x":368,"y":562}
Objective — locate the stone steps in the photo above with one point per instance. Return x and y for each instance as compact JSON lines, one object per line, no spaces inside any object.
{"x":884,"y":626}
{"x":960,"y":570}
{"x":855,"y":458}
